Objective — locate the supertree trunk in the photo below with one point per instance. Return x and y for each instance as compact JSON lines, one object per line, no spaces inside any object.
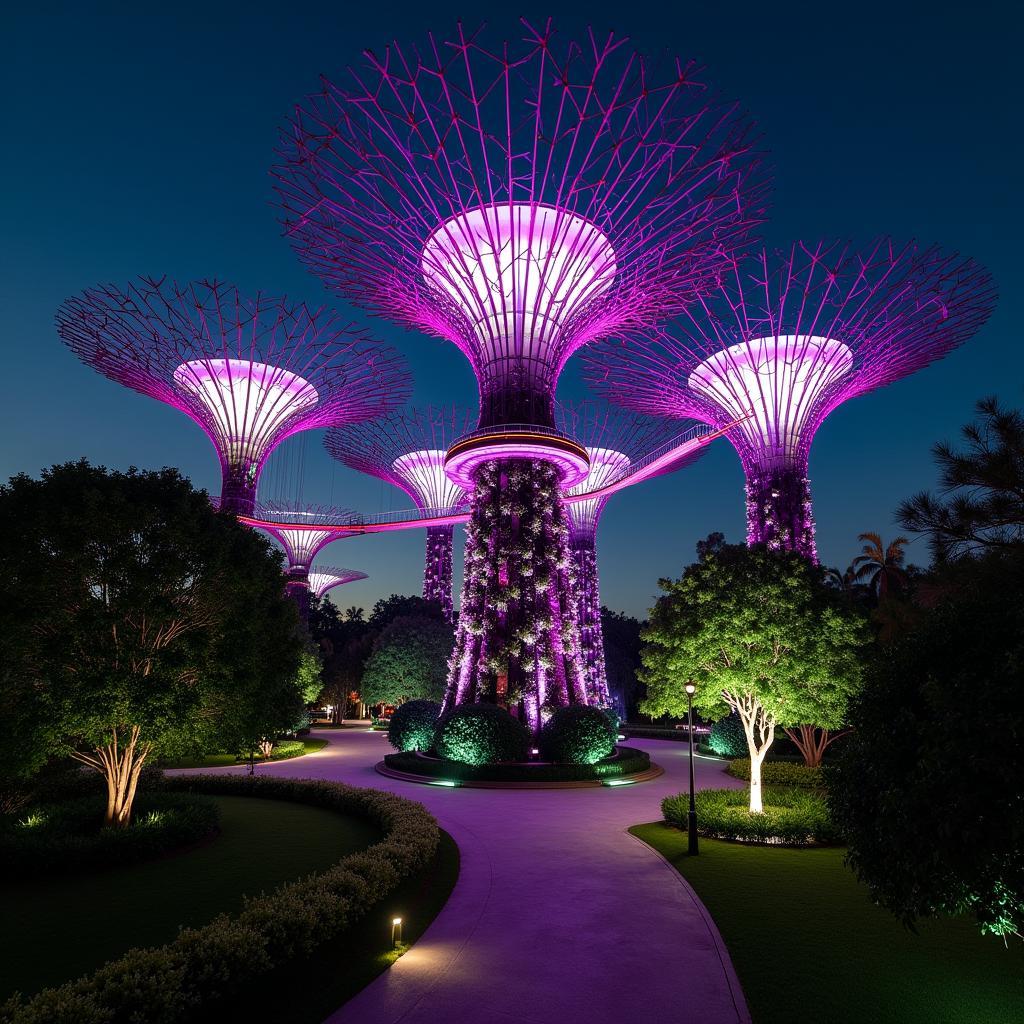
{"x":237,"y":494}
{"x":589,"y":615}
{"x":517,"y":642}
{"x":297,"y":588}
{"x":779,"y":512}
{"x":437,"y":571}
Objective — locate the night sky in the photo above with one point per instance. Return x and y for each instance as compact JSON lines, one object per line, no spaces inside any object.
{"x":138,"y":141}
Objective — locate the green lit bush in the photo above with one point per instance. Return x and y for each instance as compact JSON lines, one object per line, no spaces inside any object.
{"x":412,"y":725}
{"x":791,"y":817}
{"x":69,"y":836}
{"x":778,"y":773}
{"x":480,"y":734}
{"x":727,"y":737}
{"x":205,"y":969}
{"x":577,"y":735}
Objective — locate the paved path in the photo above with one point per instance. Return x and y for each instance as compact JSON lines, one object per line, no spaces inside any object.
{"x":559,"y":916}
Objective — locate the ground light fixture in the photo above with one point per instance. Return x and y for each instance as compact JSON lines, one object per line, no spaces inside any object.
{"x":396,"y":932}
{"x":691,"y":818}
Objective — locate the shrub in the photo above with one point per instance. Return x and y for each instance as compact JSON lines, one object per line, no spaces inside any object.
{"x":727,"y":737}
{"x":791,"y":817}
{"x":577,"y":735}
{"x":412,"y":725}
{"x":185,"y":979}
{"x":69,"y":836}
{"x":480,"y":734}
{"x":778,"y":773}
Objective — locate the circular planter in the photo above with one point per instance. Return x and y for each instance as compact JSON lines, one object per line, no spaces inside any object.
{"x":625,"y":767}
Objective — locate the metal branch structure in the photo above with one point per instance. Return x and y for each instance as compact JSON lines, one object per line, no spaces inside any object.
{"x":615,"y":439}
{"x":326,"y":577}
{"x":303,"y":531}
{"x":251,"y":371}
{"x":407,"y":448}
{"x":785,"y":338}
{"x":520,"y":199}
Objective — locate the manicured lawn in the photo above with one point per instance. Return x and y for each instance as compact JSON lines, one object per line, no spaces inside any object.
{"x":808,"y":945}
{"x":54,"y":929}
{"x":227,"y":760}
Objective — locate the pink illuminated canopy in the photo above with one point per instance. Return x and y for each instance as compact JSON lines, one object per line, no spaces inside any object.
{"x":325,"y":578}
{"x":606,"y":466}
{"x":423,"y":474}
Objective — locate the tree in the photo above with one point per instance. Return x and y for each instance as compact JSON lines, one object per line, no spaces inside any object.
{"x":981,"y":503}
{"x":309,"y":680}
{"x":881,"y":567}
{"x":621,"y":634}
{"x":928,"y":787}
{"x":142,"y":614}
{"x":354,"y":614}
{"x":387,"y":609}
{"x":757,"y":632}
{"x":711,"y":545}
{"x":409,"y":661}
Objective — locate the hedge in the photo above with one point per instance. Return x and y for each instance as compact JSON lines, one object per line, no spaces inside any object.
{"x":779,"y":773}
{"x":577,"y":734}
{"x":185,"y":978}
{"x":412,"y":725}
{"x":478,"y":734}
{"x":626,"y":761}
{"x":792,"y":817}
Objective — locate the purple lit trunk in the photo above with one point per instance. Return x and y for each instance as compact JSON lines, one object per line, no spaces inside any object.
{"x":779,"y":512}
{"x":589,"y":615}
{"x":297,"y":587}
{"x":517,"y":630}
{"x":437,"y":571}
{"x":237,"y":495}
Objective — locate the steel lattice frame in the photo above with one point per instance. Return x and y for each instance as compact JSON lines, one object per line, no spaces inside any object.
{"x":783,"y":340}
{"x":326,"y":577}
{"x":615,"y":438}
{"x":250,"y":371}
{"x":407,"y":448}
{"x":519,"y":201}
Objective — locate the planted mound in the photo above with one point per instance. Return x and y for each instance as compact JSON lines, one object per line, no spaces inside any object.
{"x":577,"y":735}
{"x":779,"y":773}
{"x":791,"y":817}
{"x":624,"y":761}
{"x":69,"y":836}
{"x":206,"y":969}
{"x":412,"y":725}
{"x":727,"y":738}
{"x":480,"y":734}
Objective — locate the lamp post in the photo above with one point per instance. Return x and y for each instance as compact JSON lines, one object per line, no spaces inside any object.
{"x":691,"y":821}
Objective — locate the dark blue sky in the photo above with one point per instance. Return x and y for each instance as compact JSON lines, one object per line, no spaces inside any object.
{"x":139,"y":141}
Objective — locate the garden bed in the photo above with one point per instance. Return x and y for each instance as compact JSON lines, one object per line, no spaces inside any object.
{"x":285,"y":750}
{"x":626,"y":765}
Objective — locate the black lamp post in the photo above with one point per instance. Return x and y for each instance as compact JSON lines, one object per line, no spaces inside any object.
{"x":691,"y":820}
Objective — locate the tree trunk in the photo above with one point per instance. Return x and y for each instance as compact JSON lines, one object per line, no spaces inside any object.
{"x":813,"y":742}
{"x":756,"y":802}
{"x":120,"y":767}
{"x":266,"y":748}
{"x":759,"y":729}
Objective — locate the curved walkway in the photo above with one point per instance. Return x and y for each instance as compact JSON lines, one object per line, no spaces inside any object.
{"x":559,"y":915}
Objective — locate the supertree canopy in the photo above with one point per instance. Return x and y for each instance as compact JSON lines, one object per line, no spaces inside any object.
{"x":616,"y":440}
{"x":783,"y":339}
{"x":326,"y":577}
{"x":407,"y":448}
{"x":249,"y":371}
{"x":519,"y":199}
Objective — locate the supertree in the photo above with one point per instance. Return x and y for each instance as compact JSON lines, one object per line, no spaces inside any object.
{"x":327,"y":577}
{"x":520,"y":201}
{"x":303,"y":531}
{"x":615,"y":440}
{"x":407,"y":448}
{"x":781,"y":341}
{"x":249,"y":371}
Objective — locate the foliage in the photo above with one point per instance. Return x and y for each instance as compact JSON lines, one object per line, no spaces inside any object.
{"x":981,"y":491}
{"x":412,"y":725}
{"x":409,"y":661}
{"x":480,"y":734}
{"x":880,"y":567}
{"x":67,"y":836}
{"x":577,"y":735}
{"x":727,"y":738}
{"x":400,"y":606}
{"x":711,"y":545}
{"x":169,"y":621}
{"x":791,"y":816}
{"x":308,"y":679}
{"x":180,"y":981}
{"x":757,"y":632}
{"x":626,"y":761}
{"x":779,"y":773}
{"x":928,"y":786}
{"x":621,"y":634}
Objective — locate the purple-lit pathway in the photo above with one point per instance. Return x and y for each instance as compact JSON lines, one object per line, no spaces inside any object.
{"x":559,"y":916}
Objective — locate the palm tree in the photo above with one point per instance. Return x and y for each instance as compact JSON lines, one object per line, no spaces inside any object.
{"x":354,"y":614}
{"x":845,"y":582}
{"x":881,"y":567}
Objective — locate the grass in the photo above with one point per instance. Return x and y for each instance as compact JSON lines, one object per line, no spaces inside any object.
{"x":54,"y":929}
{"x":309,"y":991}
{"x":230,"y":760}
{"x":808,"y":944}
